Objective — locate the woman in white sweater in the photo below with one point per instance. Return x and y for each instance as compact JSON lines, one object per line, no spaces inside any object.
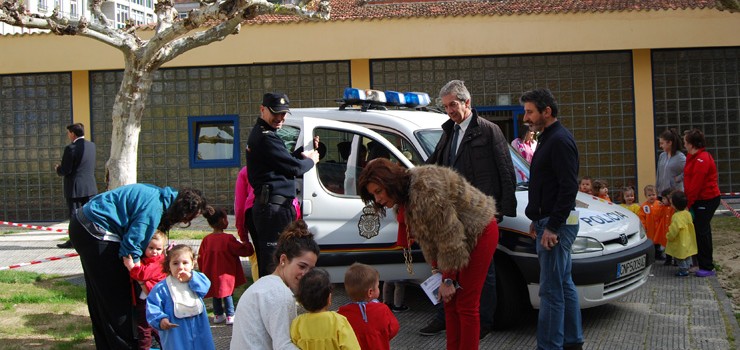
{"x":267,"y":307}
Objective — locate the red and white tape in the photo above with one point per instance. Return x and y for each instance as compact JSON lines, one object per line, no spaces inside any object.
{"x":34,"y":227}
{"x":731,"y":209}
{"x":727,"y":194}
{"x":34,"y":262}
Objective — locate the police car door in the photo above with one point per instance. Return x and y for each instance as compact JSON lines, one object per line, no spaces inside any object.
{"x":332,"y":207}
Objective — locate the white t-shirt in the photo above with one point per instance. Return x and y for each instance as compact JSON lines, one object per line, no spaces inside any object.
{"x":263,"y":316}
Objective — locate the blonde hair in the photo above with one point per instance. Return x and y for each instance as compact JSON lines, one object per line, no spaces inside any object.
{"x":358,"y":279}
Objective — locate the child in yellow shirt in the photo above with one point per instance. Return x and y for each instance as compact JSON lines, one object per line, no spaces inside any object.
{"x":681,"y":235}
{"x":320,"y":328}
{"x":628,"y":200}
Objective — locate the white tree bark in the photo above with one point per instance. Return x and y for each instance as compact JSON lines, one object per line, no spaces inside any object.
{"x":143,"y":57}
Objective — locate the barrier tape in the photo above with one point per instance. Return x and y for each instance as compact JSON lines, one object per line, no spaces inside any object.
{"x":730,"y":194}
{"x":732,"y":210}
{"x":34,"y":262}
{"x":34,"y":227}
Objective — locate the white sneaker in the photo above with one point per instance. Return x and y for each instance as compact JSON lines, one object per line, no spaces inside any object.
{"x":229,"y":319}
{"x":219,"y":319}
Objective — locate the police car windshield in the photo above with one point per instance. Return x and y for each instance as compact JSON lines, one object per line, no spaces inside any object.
{"x":428,"y":139}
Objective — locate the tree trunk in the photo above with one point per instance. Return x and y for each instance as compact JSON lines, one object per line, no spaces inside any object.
{"x":128,"y":109}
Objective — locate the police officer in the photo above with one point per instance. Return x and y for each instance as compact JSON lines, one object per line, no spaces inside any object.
{"x":272,"y":172}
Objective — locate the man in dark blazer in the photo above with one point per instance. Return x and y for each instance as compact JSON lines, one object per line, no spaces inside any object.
{"x":78,"y":169}
{"x":477,"y":149}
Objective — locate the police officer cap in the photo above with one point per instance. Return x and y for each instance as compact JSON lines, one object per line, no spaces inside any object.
{"x":276,"y":102}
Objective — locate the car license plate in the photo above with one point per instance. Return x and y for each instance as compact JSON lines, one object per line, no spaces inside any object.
{"x":631,"y":266}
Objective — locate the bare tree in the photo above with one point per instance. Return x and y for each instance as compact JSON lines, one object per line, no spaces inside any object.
{"x":212,"y":21}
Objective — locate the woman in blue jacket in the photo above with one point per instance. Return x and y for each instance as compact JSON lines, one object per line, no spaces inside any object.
{"x":115,"y":224}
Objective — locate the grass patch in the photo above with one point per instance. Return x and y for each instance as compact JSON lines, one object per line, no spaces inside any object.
{"x":726,"y":223}
{"x":179,"y":233}
{"x":42,"y":311}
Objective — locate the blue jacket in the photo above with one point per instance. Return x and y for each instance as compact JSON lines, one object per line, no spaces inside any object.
{"x":192,"y":333}
{"x":553,"y":181}
{"x":132,"y":212}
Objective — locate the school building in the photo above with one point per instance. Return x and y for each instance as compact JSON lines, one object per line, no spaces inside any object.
{"x":623,"y":71}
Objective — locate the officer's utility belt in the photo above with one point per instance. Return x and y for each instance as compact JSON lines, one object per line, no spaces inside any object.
{"x":280,"y":200}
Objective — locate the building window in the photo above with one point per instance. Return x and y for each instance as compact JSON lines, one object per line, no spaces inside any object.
{"x":121,"y":15}
{"x":42,"y":5}
{"x":214,"y":141}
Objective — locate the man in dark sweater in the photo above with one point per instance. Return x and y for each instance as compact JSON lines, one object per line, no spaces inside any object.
{"x":553,"y":185}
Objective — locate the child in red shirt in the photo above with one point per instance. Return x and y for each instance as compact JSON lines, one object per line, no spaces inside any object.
{"x":148,"y":272}
{"x":600,"y":189}
{"x":373,"y":322}
{"x":218,"y":259}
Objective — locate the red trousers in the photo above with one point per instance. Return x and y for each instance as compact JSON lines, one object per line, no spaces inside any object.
{"x":462,"y":313}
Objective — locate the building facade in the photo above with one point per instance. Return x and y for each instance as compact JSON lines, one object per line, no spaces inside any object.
{"x":621,"y":75}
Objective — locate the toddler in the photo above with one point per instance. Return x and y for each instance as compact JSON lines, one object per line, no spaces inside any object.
{"x":584,"y":185}
{"x":628,"y":200}
{"x":175,"y":305}
{"x":147,"y":273}
{"x":664,"y":221}
{"x":681,"y":235}
{"x":650,"y":215}
{"x":218,"y":259}
{"x":320,"y":328}
{"x":600,"y":189}
{"x":373,"y":322}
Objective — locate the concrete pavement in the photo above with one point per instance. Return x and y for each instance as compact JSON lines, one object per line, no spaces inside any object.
{"x":667,"y":313}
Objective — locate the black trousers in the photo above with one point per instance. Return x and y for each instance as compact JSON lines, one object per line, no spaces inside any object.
{"x":109,"y":290}
{"x":703,"y":214}
{"x":269,"y":221}
{"x":76,"y":203}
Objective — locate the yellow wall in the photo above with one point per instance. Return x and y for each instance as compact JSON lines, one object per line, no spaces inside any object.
{"x":644,"y":120}
{"x":389,"y":38}
{"x":81,"y":99}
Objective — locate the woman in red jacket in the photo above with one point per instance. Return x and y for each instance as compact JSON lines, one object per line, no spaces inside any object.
{"x":702,"y":192}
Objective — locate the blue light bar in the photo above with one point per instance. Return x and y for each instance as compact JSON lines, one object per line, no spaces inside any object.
{"x":417,"y":99}
{"x":352,"y":94}
{"x":395,"y":98}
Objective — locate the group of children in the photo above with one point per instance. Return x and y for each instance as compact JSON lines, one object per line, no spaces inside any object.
{"x":665,"y":217}
{"x":170,"y":306}
{"x":364,"y":323}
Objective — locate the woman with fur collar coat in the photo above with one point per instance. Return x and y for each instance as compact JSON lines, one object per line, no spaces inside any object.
{"x":455,"y":225}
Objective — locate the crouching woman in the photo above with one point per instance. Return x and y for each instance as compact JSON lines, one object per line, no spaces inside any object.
{"x":455,"y":225}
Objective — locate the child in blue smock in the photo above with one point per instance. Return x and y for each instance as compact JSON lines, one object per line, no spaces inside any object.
{"x":175,"y":305}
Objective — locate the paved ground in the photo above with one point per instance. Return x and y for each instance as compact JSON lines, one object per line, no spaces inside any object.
{"x":667,"y":313}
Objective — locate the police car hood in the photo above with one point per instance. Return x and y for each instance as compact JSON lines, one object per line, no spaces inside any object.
{"x":604,"y":220}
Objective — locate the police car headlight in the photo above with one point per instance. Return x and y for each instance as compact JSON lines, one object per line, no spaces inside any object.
{"x":586,"y":245}
{"x":643,"y":234}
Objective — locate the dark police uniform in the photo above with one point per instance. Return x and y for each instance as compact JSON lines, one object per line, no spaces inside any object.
{"x":272,"y":173}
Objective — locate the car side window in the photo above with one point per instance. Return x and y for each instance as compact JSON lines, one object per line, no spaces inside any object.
{"x":346,"y":153}
{"x":403,"y":145}
{"x":289,"y":135}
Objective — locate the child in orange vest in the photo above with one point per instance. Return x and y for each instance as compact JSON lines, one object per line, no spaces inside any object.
{"x":664,"y":221}
{"x":650,"y":216}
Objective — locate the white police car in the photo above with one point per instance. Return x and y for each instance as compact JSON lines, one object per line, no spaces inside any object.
{"x":611,"y":256}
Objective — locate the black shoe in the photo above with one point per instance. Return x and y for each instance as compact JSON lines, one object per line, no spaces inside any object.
{"x":484,"y":332}
{"x":668,"y":261}
{"x":398,"y":309}
{"x":65,"y":245}
{"x":434,"y":327}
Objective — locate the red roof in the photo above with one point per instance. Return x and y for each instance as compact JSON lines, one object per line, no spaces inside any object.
{"x":349,"y":10}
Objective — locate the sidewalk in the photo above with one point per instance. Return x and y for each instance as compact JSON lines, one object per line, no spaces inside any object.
{"x":667,"y":313}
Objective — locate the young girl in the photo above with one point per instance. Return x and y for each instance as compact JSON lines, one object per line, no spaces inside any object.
{"x":218,"y":259}
{"x":600,"y":189}
{"x":584,"y":185}
{"x":175,"y":306}
{"x":628,"y":200}
{"x":320,"y":328}
{"x":148,"y":273}
{"x":681,"y":235}
{"x":267,"y":307}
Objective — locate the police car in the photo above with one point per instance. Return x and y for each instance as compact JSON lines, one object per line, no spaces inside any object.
{"x":612,"y":256}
